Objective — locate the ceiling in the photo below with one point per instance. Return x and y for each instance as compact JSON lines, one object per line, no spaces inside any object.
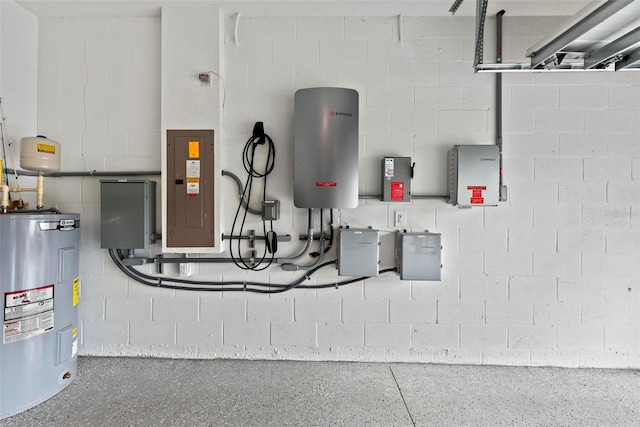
{"x":71,"y":8}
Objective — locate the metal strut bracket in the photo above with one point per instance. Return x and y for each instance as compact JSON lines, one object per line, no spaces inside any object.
{"x":481,"y":14}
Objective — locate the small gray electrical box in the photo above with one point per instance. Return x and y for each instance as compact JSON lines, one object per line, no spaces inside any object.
{"x":396,"y":179}
{"x":358,"y":252}
{"x":418,"y":256}
{"x":474,"y":175}
{"x":271,"y":210}
{"x":127,"y":214}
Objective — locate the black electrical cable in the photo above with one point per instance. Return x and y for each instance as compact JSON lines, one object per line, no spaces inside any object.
{"x":240,"y":286}
{"x":344,"y":282}
{"x":248,"y":161}
{"x":330,"y":231}
{"x":228,"y":286}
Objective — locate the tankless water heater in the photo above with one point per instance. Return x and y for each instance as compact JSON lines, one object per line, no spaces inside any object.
{"x":325,"y":166}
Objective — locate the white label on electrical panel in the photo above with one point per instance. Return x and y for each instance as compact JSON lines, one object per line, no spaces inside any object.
{"x":193,"y":177}
{"x":193,"y":168}
{"x":27,"y":314}
{"x":388,"y":167}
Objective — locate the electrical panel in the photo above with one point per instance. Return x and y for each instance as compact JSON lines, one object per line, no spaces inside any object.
{"x":396,"y":179}
{"x":418,"y":256}
{"x":189,"y":181}
{"x":127,"y":214}
{"x":358,"y":252}
{"x":474,"y":175}
{"x":325,"y":153}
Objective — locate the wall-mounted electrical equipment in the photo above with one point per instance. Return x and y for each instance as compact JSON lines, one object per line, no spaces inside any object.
{"x":397,"y":173}
{"x":418,"y":256}
{"x":358,"y":252}
{"x":127,"y":214}
{"x":270,"y":210}
{"x":189,"y":180}
{"x":474,"y":175}
{"x":325,"y":161}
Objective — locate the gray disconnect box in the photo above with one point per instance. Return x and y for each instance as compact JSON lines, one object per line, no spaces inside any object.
{"x":358,"y":252}
{"x":396,"y":179}
{"x":474,"y":175}
{"x":418,"y":256}
{"x":127,"y":214}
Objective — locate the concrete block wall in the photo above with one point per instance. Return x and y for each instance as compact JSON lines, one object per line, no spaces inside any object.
{"x":550,"y":277}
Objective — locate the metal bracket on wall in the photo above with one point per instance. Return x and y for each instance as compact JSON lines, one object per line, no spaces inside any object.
{"x":481,"y":14}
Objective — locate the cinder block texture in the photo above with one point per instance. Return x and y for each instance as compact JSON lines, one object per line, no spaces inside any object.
{"x":548,"y":277}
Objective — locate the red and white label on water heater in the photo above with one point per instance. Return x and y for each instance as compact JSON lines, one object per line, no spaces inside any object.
{"x":326,"y":184}
{"x":476,"y":194}
{"x":27,"y":313}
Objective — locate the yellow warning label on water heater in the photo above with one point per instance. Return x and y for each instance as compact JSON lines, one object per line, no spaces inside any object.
{"x":74,"y":332}
{"x":46,"y":148}
{"x":194,"y":149}
{"x":76,"y":291}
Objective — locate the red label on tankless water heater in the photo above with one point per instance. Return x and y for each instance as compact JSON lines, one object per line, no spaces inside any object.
{"x":397,"y":191}
{"x":326,"y":184}
{"x":476,"y":194}
{"x":27,"y":313}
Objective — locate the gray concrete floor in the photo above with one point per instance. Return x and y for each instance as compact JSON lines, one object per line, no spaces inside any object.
{"x":162,"y":392}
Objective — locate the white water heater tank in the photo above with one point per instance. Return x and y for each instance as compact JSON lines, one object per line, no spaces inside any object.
{"x":39,"y":154}
{"x":325,"y":152}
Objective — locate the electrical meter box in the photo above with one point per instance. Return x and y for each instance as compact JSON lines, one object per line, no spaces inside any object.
{"x":358,"y":252}
{"x":418,"y":256}
{"x":474,"y":175}
{"x":396,"y":179}
{"x":127,"y":214}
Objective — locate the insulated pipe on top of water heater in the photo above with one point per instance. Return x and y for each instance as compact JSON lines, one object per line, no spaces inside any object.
{"x":325,"y":153}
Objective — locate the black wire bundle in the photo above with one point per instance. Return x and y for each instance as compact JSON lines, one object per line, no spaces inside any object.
{"x":228,"y":286}
{"x":259,"y":138}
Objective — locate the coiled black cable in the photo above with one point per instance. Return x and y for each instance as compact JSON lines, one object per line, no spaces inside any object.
{"x":248,"y":160}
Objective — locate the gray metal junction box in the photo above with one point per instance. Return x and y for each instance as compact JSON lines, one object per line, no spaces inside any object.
{"x":396,"y":179}
{"x":418,"y":256}
{"x":474,"y":175}
{"x":358,"y":252}
{"x":127,"y":214}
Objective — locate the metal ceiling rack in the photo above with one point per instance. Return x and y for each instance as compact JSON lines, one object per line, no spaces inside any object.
{"x":605,"y":35}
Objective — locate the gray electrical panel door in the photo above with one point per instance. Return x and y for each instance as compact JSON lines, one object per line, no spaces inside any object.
{"x":474,"y":175}
{"x":127,"y":214}
{"x":325,"y":154}
{"x":358,"y":252}
{"x":40,"y":292}
{"x":418,"y":256}
{"x":396,"y":179}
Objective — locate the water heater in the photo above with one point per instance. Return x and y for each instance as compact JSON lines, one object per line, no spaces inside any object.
{"x":325,"y":164}
{"x":40,"y":292}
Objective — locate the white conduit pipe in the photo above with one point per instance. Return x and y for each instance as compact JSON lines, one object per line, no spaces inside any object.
{"x":39,"y":189}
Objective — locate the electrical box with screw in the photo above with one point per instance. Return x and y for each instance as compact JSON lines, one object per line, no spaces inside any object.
{"x":358,"y":252}
{"x":396,"y":179}
{"x":418,"y":256}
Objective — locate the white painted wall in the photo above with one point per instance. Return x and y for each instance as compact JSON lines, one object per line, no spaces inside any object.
{"x":18,"y":83}
{"x":192,"y":39}
{"x":549,"y":278}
